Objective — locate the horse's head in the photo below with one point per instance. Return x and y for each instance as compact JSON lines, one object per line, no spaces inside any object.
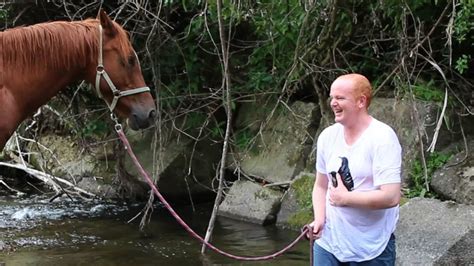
{"x":118,"y":78}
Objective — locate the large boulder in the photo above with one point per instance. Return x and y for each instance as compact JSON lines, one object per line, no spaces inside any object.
{"x":92,"y":169}
{"x":461,"y":253}
{"x":183,"y":167}
{"x":283,"y":143}
{"x":430,"y":232}
{"x":414,"y":122}
{"x":249,"y":201}
{"x":61,"y":156}
{"x":455,"y":181}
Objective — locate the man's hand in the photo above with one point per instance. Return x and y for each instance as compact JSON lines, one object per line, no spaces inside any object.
{"x":338,"y":195}
{"x":316,"y":228}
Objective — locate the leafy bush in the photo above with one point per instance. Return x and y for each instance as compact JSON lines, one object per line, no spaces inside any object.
{"x":419,"y":184}
{"x":428,"y":91}
{"x":3,"y":13}
{"x":463,"y":28}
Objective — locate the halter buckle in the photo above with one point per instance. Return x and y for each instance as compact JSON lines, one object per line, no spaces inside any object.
{"x":100,"y":68}
{"x":118,"y":126}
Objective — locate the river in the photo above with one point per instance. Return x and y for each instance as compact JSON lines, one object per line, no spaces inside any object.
{"x":35,"y":231}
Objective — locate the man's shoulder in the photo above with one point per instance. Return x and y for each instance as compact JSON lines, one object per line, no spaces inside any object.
{"x":382,"y":131}
{"x":380,"y":126}
{"x":329,"y":134}
{"x":332,"y":129}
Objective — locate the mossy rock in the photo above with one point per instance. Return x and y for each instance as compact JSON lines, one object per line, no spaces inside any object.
{"x":297,"y":208}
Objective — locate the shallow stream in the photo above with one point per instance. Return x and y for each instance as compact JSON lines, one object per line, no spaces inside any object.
{"x":34,"y":231}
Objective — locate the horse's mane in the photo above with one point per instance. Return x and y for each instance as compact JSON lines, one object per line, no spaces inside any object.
{"x":57,"y":45}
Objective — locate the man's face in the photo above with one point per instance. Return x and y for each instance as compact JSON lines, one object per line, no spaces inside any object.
{"x":343,"y":101}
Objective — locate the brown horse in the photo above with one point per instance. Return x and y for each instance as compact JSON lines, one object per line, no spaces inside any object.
{"x":38,"y":61}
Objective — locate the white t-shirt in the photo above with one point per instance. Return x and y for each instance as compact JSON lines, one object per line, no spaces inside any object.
{"x":355,"y":234}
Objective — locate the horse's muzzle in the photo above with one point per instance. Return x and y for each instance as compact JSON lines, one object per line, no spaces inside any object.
{"x":141,"y":119}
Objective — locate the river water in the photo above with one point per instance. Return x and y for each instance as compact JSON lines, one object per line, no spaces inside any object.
{"x":34,"y":231}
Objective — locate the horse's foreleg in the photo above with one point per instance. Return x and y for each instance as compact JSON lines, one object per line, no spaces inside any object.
{"x":3,"y":141}
{"x":6,"y":131}
{"x":11,"y":115}
{"x":7,"y":127}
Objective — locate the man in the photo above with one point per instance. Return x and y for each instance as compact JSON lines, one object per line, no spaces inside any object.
{"x":356,"y":227}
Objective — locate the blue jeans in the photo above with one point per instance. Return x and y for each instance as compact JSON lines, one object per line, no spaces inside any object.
{"x":387,"y":258}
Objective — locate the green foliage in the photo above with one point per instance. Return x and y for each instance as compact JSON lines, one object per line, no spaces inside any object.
{"x":243,"y":138}
{"x":463,"y":29}
{"x":428,"y":91}
{"x":3,"y":13}
{"x":94,"y":128}
{"x":464,"y":22}
{"x":217,"y":131}
{"x":417,"y":175}
{"x":186,"y":59}
{"x":301,"y":44}
{"x":396,"y":10}
{"x":273,"y":43}
{"x":268,"y":29}
{"x":276,"y":29}
{"x":195,"y":120}
{"x":462,"y":63}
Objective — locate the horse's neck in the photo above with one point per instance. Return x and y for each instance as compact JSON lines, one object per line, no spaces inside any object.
{"x":36,"y":67}
{"x":46,"y":86}
{"x":48,"y":49}
{"x":33,"y":70}
{"x":23,"y":95}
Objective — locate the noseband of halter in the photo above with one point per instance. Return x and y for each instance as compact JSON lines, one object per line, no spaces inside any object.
{"x":101,"y":73}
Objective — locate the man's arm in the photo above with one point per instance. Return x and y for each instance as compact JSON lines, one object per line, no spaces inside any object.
{"x":319,"y":203}
{"x":386,"y":196}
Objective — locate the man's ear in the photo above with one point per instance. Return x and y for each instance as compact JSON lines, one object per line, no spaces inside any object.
{"x":107,"y":23}
{"x":362,"y":102}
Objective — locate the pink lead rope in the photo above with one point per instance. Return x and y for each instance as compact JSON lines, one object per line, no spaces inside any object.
{"x":129,"y":150}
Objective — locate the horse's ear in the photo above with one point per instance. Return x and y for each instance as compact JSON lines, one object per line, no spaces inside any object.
{"x":107,"y":24}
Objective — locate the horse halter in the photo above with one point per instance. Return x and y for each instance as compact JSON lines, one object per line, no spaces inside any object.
{"x":102,"y":73}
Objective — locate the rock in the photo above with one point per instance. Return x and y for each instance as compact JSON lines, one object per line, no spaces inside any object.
{"x":430,"y":231}
{"x":455,"y":181}
{"x":411,"y":127}
{"x":462,"y":253}
{"x":248,"y":201}
{"x":185,"y":168}
{"x":98,"y":187}
{"x":296,"y":207}
{"x":280,"y":152}
{"x":63,"y":157}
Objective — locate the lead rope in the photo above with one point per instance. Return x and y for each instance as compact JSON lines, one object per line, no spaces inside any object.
{"x":311,"y":243}
{"x":130,"y":152}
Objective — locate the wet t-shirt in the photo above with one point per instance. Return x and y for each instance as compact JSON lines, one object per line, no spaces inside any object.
{"x":356,"y":234}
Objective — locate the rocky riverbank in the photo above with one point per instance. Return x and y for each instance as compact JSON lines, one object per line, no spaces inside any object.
{"x":271,"y":171}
